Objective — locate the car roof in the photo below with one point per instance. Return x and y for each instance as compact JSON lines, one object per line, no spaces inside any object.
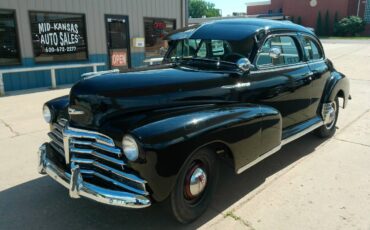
{"x":234,"y":29}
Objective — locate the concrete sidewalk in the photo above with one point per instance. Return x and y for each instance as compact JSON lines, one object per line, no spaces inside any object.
{"x":309,"y":184}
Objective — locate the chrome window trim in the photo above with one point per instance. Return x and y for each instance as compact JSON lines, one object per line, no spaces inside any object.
{"x":293,"y":66}
{"x":316,"y":61}
{"x":294,"y":35}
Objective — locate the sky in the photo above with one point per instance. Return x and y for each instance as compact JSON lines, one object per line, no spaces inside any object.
{"x":230,"y":6}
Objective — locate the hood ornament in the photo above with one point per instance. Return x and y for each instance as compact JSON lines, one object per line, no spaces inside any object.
{"x":72,"y":111}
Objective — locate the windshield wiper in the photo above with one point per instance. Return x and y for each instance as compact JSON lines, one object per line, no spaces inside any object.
{"x":218,"y":62}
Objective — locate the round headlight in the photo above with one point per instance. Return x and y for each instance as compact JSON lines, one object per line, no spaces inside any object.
{"x":130,"y":148}
{"x":47,"y":113}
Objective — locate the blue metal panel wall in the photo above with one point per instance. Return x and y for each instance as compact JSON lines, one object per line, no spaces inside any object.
{"x":38,"y":79}
{"x":26,"y":80}
{"x":137,"y":59}
{"x":70,"y":76}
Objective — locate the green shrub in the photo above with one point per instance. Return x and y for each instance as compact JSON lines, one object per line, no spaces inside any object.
{"x":336,"y":17}
{"x":350,"y":26}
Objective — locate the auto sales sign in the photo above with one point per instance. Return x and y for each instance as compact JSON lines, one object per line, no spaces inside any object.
{"x":58,"y":37}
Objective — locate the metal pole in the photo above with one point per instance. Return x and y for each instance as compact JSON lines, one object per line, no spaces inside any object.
{"x":358,"y":7}
{"x":2,"y":89}
{"x":53,"y":79}
{"x":95,"y":68}
{"x":186,"y":12}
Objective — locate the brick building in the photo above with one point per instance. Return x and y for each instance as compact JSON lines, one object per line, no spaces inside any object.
{"x":308,"y":10}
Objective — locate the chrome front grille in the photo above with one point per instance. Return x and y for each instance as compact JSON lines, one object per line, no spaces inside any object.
{"x":56,"y":135}
{"x":96,"y":155}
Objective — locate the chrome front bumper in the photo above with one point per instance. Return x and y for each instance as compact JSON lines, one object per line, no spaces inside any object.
{"x":78,"y":188}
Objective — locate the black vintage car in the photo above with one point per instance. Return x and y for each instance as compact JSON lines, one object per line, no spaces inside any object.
{"x":237,"y":89}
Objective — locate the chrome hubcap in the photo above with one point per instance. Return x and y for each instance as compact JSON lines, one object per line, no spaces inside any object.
{"x":196,"y":182}
{"x":330,"y":116}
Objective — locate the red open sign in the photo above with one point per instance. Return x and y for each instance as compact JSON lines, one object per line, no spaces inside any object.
{"x":159,"y":25}
{"x":119,"y":58}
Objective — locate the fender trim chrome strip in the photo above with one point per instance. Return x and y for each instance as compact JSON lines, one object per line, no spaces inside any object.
{"x":277,"y":148}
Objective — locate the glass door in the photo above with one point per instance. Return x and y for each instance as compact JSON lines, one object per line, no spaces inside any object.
{"x":118,"y":41}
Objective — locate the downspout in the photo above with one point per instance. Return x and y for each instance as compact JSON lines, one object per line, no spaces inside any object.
{"x":184,"y":13}
{"x":358,"y":7}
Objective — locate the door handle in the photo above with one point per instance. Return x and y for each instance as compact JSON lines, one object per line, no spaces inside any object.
{"x":309,"y":75}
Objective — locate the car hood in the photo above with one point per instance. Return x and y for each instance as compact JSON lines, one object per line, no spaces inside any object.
{"x":94,"y":99}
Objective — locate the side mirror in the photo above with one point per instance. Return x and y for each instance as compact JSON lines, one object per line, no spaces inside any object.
{"x":275,"y":52}
{"x":244,"y":64}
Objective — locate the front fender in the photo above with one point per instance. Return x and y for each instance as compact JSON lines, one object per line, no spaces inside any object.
{"x":59,"y":107}
{"x":169,"y":141}
{"x":338,"y":83}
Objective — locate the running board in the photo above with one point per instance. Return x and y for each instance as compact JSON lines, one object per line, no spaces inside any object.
{"x":298,"y":130}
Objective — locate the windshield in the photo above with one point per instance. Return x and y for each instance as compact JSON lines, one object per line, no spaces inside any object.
{"x":219,"y":50}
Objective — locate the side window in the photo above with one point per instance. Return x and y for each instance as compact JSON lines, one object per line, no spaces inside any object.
{"x":202,"y":52}
{"x":185,"y":48}
{"x":217,"y":48}
{"x":177,"y":53}
{"x":312,"y":49}
{"x":189,"y":47}
{"x":289,"y":52}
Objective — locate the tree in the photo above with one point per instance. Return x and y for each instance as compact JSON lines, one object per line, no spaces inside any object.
{"x":299,"y":20}
{"x":319,"y":24}
{"x":327,"y":24}
{"x":336,"y":17}
{"x":350,"y":26}
{"x":200,"y":8}
{"x":292,"y":19}
{"x":335,"y":24}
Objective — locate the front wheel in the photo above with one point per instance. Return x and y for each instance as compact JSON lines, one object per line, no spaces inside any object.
{"x":328,"y":130}
{"x":195,"y":186}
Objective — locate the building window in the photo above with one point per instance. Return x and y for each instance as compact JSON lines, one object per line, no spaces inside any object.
{"x":367,"y":11}
{"x":9,"y":46}
{"x":155,"y":29}
{"x":58,"y":36}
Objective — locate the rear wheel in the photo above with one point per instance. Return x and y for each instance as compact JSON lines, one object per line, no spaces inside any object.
{"x":328,"y":130}
{"x":195,"y":186}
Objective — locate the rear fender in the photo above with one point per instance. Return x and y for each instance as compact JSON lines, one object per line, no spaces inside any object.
{"x":337,"y":85}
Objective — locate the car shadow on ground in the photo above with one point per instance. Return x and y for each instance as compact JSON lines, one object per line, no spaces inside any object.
{"x":44,"y":204}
